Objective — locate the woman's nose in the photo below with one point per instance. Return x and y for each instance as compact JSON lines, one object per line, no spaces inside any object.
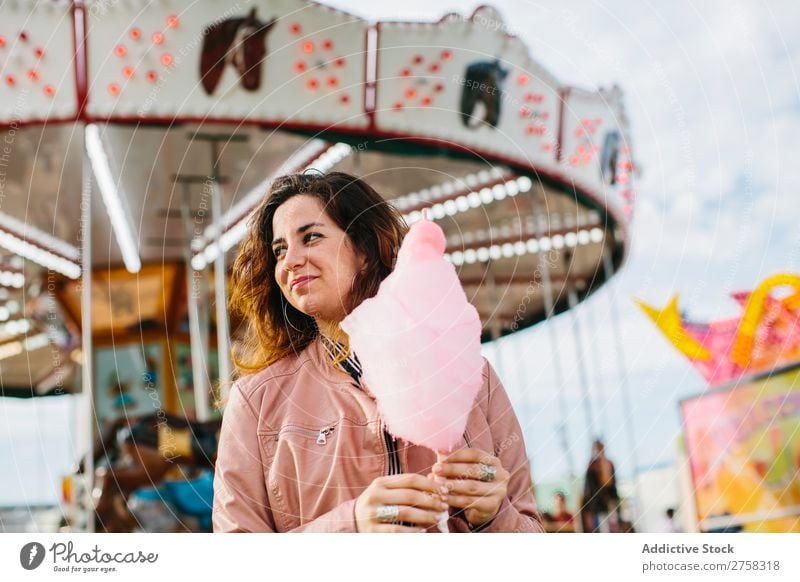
{"x":294,"y":258}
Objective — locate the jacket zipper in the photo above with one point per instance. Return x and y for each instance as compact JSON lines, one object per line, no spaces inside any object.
{"x":391,"y":450}
{"x":390,"y":444}
{"x":321,"y":434}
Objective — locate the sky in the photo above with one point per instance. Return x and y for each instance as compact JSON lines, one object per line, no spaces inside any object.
{"x":713,"y":97}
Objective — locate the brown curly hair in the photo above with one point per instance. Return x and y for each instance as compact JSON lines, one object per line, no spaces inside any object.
{"x":275,"y":328}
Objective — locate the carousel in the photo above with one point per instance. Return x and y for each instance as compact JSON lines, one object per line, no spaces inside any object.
{"x":138,"y":137}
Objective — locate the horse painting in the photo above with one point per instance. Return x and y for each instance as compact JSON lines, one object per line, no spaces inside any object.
{"x":482,"y":85}
{"x":240,"y":42}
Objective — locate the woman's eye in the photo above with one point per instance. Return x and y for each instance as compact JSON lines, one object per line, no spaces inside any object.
{"x":309,"y":237}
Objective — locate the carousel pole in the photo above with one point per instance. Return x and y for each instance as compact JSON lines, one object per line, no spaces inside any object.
{"x":600,"y":387}
{"x":583,"y":376}
{"x":195,"y":296}
{"x":220,"y":289}
{"x":357,"y":162}
{"x":87,"y":486}
{"x":549,"y":312}
{"x":494,"y":326}
{"x":623,"y":376}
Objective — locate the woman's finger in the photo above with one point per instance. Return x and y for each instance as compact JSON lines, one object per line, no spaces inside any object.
{"x":410,"y":497}
{"x":420,"y":517}
{"x":472,"y":487}
{"x":410,"y":481}
{"x":458,"y":470}
{"x":482,"y":504}
{"x":394,"y":528}
{"x":469,"y":455}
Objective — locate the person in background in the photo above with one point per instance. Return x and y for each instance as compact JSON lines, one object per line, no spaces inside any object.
{"x":600,"y":497}
{"x":560,"y":520}
{"x":670,"y":525}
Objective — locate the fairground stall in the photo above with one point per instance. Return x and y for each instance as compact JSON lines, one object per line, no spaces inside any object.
{"x":742,"y":435}
{"x":139,"y":136}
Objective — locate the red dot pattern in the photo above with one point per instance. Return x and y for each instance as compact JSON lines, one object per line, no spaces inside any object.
{"x":421,"y":75}
{"x":137,"y":54}
{"x":309,"y":49}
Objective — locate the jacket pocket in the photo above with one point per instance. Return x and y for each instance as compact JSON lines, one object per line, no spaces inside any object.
{"x":320,"y":435}
{"x":302,"y":472}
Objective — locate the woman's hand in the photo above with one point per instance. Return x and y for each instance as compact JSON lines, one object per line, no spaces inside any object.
{"x":469,"y":485}
{"x":418,"y":501}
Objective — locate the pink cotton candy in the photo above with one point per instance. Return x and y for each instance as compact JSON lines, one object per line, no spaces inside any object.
{"x":418,"y":341}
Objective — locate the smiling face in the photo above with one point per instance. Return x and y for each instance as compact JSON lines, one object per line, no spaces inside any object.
{"x":315,"y":259}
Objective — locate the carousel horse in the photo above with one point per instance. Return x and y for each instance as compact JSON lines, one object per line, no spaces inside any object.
{"x":240,"y":42}
{"x":142,"y":453}
{"x":482,"y":84}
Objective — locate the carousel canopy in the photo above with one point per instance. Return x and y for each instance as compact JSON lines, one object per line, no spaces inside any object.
{"x":161,"y":106}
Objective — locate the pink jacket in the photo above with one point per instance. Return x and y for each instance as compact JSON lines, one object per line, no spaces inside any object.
{"x":301,"y":440}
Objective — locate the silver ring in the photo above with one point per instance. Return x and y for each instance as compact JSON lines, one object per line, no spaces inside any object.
{"x":388,"y":513}
{"x":488,"y":472}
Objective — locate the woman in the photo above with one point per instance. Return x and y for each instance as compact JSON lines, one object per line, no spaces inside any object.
{"x":302,"y":446}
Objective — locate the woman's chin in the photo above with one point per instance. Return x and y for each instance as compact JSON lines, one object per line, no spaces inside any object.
{"x":309,"y":306}
{"x":319,"y":310}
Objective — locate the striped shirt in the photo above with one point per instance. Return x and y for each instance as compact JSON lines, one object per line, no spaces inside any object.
{"x":351,"y":366}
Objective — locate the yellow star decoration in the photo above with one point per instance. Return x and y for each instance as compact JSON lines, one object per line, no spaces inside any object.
{"x":669,"y":322}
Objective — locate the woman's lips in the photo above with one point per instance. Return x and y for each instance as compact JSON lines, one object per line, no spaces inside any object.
{"x":300,"y":281}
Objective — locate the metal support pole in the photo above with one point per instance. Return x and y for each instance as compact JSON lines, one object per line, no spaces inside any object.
{"x":220,"y":290}
{"x":621,"y":365}
{"x":494,"y":325}
{"x":549,"y":312}
{"x":195,"y":297}
{"x":598,"y":381}
{"x":572,"y":297}
{"x":87,"y":366}
{"x":357,"y":162}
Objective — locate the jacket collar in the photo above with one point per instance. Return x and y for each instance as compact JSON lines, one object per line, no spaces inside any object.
{"x":319,"y":357}
{"x":321,"y":360}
